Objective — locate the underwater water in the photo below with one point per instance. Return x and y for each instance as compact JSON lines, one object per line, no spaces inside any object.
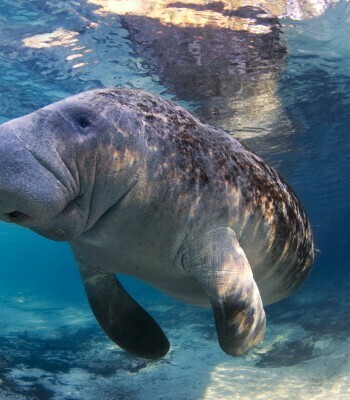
{"x":280,"y":85}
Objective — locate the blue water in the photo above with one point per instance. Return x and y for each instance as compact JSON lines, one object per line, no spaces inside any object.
{"x":290,"y":103}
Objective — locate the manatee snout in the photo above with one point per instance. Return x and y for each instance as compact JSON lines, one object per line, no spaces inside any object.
{"x":30,"y":192}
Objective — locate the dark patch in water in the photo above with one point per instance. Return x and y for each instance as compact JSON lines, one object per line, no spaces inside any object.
{"x":330,"y":319}
{"x":3,"y":362}
{"x":38,"y":391}
{"x":32,"y":389}
{"x":327,"y":317}
{"x":59,"y":355}
{"x":288,"y":354}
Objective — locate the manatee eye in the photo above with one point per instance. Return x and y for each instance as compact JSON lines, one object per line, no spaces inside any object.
{"x":84,"y":120}
{"x":15,"y":215}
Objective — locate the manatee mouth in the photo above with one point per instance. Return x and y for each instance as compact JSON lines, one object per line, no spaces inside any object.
{"x":16,"y":216}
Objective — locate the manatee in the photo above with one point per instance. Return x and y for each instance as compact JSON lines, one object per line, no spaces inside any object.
{"x":138,"y":185}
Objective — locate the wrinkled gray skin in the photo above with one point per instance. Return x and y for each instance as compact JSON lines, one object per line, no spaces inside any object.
{"x":138,"y":185}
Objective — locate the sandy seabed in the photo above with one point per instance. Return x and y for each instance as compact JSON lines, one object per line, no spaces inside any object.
{"x":51,"y":351}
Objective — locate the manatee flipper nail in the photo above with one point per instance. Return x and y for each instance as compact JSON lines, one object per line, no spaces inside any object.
{"x":121,"y":317}
{"x":218,"y":262}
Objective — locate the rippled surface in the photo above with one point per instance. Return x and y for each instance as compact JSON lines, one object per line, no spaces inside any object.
{"x":276,"y":77}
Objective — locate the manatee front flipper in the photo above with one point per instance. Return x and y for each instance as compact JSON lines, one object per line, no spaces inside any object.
{"x":124,"y":321}
{"x":218,"y":262}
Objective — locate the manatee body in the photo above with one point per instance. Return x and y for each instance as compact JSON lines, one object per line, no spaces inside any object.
{"x":138,"y":185}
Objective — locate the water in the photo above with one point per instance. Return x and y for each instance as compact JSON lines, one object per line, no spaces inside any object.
{"x":287,"y":97}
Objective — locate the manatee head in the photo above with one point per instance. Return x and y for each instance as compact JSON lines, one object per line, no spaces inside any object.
{"x":54,"y":162}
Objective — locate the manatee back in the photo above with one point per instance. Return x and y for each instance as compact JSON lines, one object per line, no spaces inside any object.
{"x":226,"y":184}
